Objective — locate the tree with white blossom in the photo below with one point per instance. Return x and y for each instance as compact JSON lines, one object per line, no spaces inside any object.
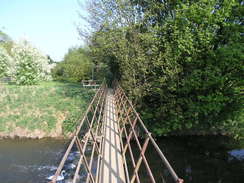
{"x":30,"y":65}
{"x":6,"y":63}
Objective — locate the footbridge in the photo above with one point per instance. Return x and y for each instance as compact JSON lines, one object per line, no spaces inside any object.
{"x":111,"y":145}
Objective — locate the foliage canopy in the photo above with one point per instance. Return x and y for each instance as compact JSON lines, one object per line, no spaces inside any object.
{"x":75,"y":66}
{"x":181,"y":61}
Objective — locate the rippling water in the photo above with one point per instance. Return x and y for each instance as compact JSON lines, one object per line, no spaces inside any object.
{"x":29,"y":161}
{"x":196,"y":159}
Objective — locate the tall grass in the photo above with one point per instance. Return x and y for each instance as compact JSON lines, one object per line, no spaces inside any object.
{"x":45,"y":107}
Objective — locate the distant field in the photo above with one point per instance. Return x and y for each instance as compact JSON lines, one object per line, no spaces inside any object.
{"x":49,"y":109}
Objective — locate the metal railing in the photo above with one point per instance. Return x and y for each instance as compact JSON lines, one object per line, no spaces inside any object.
{"x":90,"y":135}
{"x":87,"y":132}
{"x":131,"y":129}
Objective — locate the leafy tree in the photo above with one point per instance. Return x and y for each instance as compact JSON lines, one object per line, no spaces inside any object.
{"x":180,"y":61}
{"x":6,"y":63}
{"x":4,"y":37}
{"x":6,"y":42}
{"x":6,"y":60}
{"x":75,"y":66}
{"x":50,"y":60}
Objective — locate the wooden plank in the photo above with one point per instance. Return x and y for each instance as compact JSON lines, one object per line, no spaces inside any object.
{"x":112,"y":170}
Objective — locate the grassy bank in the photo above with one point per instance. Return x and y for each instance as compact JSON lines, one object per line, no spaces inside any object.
{"x":49,"y":109}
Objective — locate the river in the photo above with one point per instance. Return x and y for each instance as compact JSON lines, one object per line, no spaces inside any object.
{"x":196,"y":159}
{"x":29,"y":161}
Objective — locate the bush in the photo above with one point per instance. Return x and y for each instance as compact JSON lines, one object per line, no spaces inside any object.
{"x":6,"y":63}
{"x":30,"y":65}
{"x":180,"y":61}
{"x":75,"y":67}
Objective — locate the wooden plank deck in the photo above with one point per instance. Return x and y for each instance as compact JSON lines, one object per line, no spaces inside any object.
{"x":112,"y":170}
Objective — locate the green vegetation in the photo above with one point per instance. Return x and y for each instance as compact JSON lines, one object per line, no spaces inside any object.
{"x":5,"y":50}
{"x":51,"y":108}
{"x":6,"y":42}
{"x":180,"y":61}
{"x":78,"y":65}
{"x":23,"y":63}
{"x":5,"y":63}
{"x":75,"y":66}
{"x":30,"y":66}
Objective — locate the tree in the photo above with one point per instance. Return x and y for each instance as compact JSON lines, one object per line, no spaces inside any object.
{"x":4,"y":37}
{"x":30,"y":65}
{"x":75,"y":66}
{"x":180,"y":61}
{"x":6,"y":63}
{"x":6,"y":42}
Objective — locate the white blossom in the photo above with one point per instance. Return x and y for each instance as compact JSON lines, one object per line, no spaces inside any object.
{"x":30,"y":65}
{"x":6,"y":63}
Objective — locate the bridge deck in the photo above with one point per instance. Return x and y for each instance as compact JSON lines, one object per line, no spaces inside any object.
{"x":112,"y":170}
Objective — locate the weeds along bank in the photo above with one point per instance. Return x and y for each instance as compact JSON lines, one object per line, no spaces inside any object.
{"x":50,"y":109}
{"x":33,"y":106}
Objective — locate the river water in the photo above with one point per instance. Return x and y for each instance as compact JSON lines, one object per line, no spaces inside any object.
{"x":29,"y":161}
{"x":196,"y":159}
{"x":201,"y":159}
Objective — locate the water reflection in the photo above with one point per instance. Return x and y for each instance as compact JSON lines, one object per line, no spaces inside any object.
{"x":237,"y":153}
{"x":200,"y":159}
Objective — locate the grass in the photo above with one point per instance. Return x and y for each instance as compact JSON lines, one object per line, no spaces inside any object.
{"x":42,"y":107}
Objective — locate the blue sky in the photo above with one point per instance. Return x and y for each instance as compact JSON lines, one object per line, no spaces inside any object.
{"x":49,"y":25}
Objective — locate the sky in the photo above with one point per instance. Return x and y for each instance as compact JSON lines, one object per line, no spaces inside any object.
{"x":50,"y":25}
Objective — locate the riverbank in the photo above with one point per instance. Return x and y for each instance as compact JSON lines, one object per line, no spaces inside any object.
{"x":50,"y":109}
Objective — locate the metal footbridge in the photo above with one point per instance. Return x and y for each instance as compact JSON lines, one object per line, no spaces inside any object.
{"x":111,"y":143}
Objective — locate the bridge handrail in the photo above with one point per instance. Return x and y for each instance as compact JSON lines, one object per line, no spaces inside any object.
{"x":99,"y":96}
{"x":93,"y":121}
{"x":126,"y":108}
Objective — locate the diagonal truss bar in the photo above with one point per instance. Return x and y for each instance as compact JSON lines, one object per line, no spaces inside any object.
{"x":85,"y":160}
{"x":127,"y":115}
{"x":138,"y":164}
{"x":110,"y":124}
{"x":95,"y":108}
{"x":133,"y":124}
